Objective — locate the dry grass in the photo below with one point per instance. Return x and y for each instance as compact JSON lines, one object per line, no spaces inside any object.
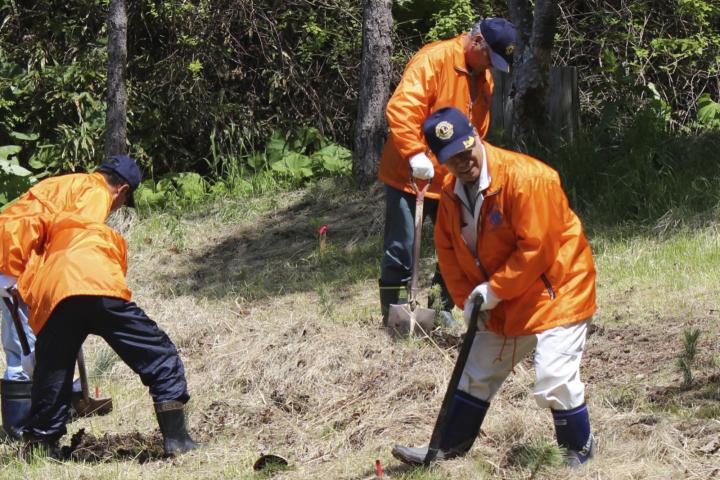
{"x":287,"y":357}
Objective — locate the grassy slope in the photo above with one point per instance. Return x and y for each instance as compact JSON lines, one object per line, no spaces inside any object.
{"x":284,"y":354}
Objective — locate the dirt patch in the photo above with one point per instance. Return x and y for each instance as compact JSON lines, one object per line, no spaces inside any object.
{"x":613,"y":355}
{"x":85,"y":447}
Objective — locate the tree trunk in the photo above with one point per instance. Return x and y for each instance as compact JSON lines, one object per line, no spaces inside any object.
{"x":116,"y":115}
{"x":375,"y":77}
{"x":531,"y":69}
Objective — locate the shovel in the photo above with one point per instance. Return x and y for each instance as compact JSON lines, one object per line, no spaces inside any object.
{"x":408,"y":318}
{"x":88,"y":405}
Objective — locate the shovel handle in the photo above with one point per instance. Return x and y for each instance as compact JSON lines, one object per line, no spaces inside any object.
{"x":454,"y":381}
{"x":419,"y":204}
{"x":14,"y":309}
{"x":83,"y":375}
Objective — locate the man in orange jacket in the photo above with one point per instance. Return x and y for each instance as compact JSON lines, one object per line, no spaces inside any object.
{"x":505,"y":232}
{"x":455,"y":73}
{"x":21,"y":236}
{"x":88,"y":195}
{"x":74,"y":285}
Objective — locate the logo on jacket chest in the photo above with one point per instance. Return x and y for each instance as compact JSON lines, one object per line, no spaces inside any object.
{"x":495,"y":218}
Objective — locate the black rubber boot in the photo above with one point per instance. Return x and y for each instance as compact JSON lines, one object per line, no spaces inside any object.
{"x":389,"y":294}
{"x":15,"y":405}
{"x":171,"y":418}
{"x":462,"y":426}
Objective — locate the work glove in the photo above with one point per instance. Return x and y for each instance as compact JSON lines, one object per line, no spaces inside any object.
{"x":422,"y":167}
{"x":490,"y":300}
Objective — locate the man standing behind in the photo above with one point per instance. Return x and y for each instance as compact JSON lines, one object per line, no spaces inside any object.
{"x":450,"y":73}
{"x":505,"y":232}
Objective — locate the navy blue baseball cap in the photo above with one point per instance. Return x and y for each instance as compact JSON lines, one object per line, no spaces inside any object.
{"x":125,"y":168}
{"x":502,"y":37}
{"x":448,"y":132}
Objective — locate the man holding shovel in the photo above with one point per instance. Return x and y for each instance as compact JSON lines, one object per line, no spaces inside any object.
{"x":74,"y":285}
{"x":21,"y":235}
{"x":455,"y":72}
{"x":506,"y":233}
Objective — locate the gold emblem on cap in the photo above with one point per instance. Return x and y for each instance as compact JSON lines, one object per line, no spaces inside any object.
{"x":444,"y":130}
{"x":469,"y":142}
{"x":510,"y":49}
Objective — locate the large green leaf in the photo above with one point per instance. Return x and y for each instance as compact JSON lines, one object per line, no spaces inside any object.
{"x":304,"y":138}
{"x":29,"y":137}
{"x":8,"y":151}
{"x":295,"y":165}
{"x":334,"y":159}
{"x":276,"y":148}
{"x":708,"y":111}
{"x":12,"y":168}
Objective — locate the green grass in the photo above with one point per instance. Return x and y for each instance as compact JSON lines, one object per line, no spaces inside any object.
{"x":642,"y":273}
{"x":536,"y":456}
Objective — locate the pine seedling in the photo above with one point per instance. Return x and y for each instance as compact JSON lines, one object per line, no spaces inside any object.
{"x":686,"y":359}
{"x":434,"y":296}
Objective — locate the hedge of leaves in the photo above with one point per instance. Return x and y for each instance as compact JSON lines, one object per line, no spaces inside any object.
{"x":212,"y":80}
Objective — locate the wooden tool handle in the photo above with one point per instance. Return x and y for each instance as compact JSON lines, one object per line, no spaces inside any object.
{"x":83,"y":375}
{"x":454,"y":382}
{"x":14,"y":309}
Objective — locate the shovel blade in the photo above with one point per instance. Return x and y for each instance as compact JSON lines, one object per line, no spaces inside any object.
{"x":403,"y":320}
{"x":93,"y":406}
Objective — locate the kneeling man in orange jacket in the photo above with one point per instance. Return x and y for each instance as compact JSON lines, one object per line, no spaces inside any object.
{"x":505,"y":232}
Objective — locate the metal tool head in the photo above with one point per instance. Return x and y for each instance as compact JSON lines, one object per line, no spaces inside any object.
{"x":404,"y":320}
{"x":92,"y":406}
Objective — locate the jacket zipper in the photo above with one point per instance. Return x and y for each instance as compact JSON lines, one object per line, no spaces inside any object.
{"x":484,"y":207}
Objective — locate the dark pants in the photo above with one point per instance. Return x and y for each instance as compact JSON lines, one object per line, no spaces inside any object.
{"x":139,"y":342}
{"x":397,"y":260}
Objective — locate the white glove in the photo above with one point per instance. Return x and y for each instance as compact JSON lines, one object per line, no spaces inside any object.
{"x":28,"y":364}
{"x":422,"y":166}
{"x":6,"y":283}
{"x":490,"y":300}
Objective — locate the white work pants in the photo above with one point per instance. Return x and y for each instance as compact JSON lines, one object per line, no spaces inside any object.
{"x":557,"y":364}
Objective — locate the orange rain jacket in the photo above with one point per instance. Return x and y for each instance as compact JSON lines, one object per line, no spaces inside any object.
{"x":80,"y":257}
{"x":530,"y":247}
{"x":53,"y":238}
{"x":435,"y":77}
{"x":22,"y":231}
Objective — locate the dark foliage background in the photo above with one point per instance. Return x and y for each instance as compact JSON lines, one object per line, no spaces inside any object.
{"x":223,"y":75}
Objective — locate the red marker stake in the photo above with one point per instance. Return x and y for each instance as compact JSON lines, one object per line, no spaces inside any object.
{"x":97,"y":392}
{"x":378,"y":468}
{"x":322,"y":234}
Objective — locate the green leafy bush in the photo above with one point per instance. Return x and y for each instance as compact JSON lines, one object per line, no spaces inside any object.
{"x":300,"y":155}
{"x":14,"y":179}
{"x":172,"y":190}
